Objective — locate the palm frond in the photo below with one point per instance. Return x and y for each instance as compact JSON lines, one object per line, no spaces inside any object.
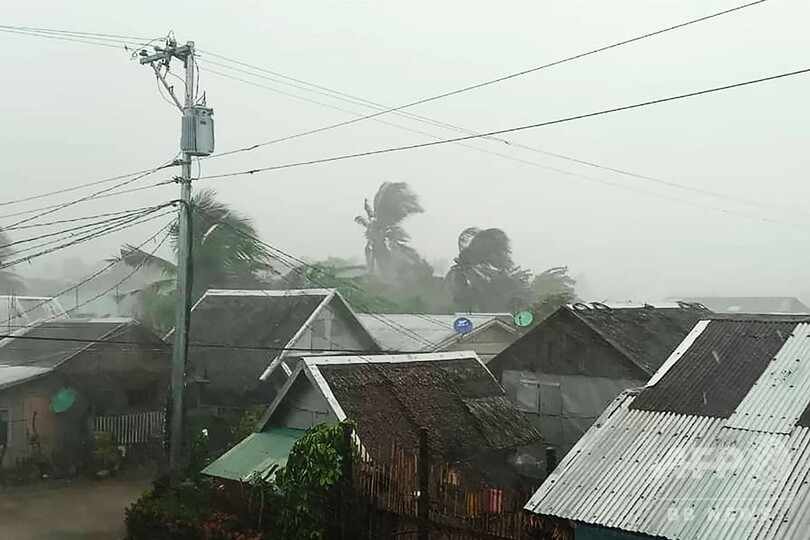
{"x":394,"y":202}
{"x":136,"y":258}
{"x":489,"y":246}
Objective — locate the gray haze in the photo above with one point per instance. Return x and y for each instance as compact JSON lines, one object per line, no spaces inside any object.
{"x":73,"y":113}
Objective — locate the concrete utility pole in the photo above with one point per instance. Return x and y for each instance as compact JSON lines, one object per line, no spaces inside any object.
{"x":196,"y":140}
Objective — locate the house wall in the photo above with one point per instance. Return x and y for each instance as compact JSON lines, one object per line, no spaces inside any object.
{"x":303,"y":407}
{"x":121,"y":379}
{"x":487,"y":343}
{"x":26,"y":408}
{"x":110,"y":379}
{"x":563,"y":375}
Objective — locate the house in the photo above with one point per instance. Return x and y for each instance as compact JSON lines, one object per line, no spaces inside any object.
{"x":715,"y":446}
{"x":568,"y":368}
{"x":242,"y":342}
{"x":391,"y":397}
{"x":64,"y":378}
{"x":750,"y":304}
{"x":491,"y":332}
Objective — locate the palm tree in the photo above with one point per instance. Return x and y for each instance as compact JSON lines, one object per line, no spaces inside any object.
{"x":225,"y":253}
{"x":483,"y":276}
{"x":9,"y":281}
{"x":386,"y":241}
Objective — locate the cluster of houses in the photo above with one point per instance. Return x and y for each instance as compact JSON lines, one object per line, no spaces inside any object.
{"x":689,"y":419}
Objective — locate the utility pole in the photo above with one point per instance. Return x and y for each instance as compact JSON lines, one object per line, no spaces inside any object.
{"x":197,"y":139}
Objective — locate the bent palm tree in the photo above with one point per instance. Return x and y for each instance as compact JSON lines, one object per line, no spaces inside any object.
{"x":483,"y":276}
{"x":386,"y":241}
{"x":225,"y":253}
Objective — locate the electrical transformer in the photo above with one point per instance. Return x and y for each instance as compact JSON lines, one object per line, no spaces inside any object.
{"x":197,"y":137}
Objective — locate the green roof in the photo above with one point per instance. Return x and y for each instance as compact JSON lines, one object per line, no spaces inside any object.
{"x":256,"y":454}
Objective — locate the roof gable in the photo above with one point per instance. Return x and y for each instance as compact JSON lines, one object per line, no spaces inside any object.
{"x":645,"y":335}
{"x":392,"y":396}
{"x":719,"y":432}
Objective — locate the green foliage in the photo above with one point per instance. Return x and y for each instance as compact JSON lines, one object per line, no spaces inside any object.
{"x":247,"y":424}
{"x":184,"y":513}
{"x":224,"y":254}
{"x":307,"y":483}
{"x":484,"y":277}
{"x":105,"y":452}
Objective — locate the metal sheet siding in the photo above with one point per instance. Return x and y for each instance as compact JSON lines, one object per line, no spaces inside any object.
{"x":780,"y":395}
{"x":666,"y":474}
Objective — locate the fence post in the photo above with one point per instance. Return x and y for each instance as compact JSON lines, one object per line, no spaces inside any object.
{"x":423,"y":502}
{"x":348,"y":516}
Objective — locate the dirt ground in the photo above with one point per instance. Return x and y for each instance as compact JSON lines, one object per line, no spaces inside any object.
{"x":69,"y":510}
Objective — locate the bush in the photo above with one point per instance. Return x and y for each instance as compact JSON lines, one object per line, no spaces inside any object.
{"x":105,"y":452}
{"x":182,"y":514}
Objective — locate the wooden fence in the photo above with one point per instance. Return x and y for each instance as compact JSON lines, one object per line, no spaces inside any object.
{"x":410,"y":497}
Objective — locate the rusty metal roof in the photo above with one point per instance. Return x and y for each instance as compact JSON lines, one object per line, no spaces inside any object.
{"x":739,"y":469}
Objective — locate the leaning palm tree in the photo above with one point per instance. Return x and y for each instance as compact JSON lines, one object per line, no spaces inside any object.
{"x":483,"y":275}
{"x":9,"y":281}
{"x":386,"y":241}
{"x":225,"y":253}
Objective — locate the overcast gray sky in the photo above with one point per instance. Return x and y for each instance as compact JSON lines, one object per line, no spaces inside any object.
{"x":74,"y":113}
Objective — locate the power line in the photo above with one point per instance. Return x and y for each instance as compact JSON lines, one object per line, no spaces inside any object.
{"x":92,"y":276}
{"x":74,"y":188}
{"x":73,"y":220}
{"x":205,"y":345}
{"x":60,"y":205}
{"x":555,"y":169}
{"x":513,"y":129}
{"x":94,"y":195}
{"x":119,"y":227}
{"x":74,"y":33}
{"x":137,"y":267}
{"x":499,"y":79}
{"x":67,"y":232}
{"x":322,"y":90}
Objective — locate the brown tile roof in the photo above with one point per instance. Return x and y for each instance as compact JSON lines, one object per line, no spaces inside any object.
{"x":468,"y":418}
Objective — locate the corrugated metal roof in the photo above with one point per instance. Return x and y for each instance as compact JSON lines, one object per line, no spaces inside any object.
{"x":721,"y":366}
{"x":669,"y":472}
{"x":682,"y":477}
{"x":256,"y":454}
{"x":418,"y":332}
{"x":11,"y":375}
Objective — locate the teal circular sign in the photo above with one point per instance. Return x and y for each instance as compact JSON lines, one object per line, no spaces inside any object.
{"x":63,"y":399}
{"x":524,"y":318}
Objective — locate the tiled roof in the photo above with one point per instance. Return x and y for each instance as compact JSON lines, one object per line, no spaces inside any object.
{"x":452,"y":395}
{"x":715,"y":447}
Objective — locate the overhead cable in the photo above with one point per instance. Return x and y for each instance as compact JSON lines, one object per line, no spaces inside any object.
{"x":513,"y":129}
{"x":500,"y":79}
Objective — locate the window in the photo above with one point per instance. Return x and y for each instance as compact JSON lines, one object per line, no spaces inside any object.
{"x":5,"y":427}
{"x":528,"y":396}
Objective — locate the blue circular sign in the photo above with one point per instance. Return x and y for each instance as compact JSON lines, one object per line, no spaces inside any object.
{"x":463,"y":325}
